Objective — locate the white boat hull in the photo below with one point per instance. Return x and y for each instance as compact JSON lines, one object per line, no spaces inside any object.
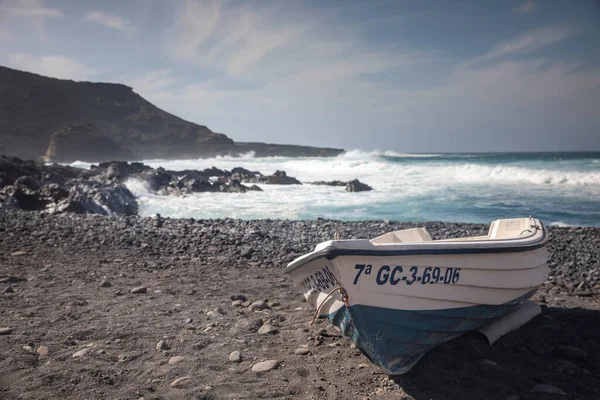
{"x":397,"y":307}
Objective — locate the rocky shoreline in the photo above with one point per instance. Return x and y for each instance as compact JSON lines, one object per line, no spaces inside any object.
{"x":157,"y":308}
{"x":34,"y":186}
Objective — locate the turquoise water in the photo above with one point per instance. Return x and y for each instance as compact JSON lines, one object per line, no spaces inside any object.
{"x":559,"y":188}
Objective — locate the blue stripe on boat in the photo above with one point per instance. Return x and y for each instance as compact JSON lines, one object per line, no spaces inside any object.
{"x":396,"y":340}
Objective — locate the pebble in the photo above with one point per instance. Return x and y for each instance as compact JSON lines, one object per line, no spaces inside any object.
{"x":176,"y":359}
{"x":265,"y":366}
{"x":239,"y":297}
{"x":258,"y":305}
{"x":18,"y":253}
{"x":42,"y":351}
{"x":236,"y":303}
{"x":267,"y":329}
{"x":235,"y":357}
{"x":547,"y":389}
{"x":180,"y":381}
{"x":247,"y":324}
{"x":302,"y":351}
{"x":105,"y":283}
{"x":8,"y":289}
{"x":139,"y":289}
{"x":569,"y":352}
{"x":363,"y":365}
{"x":6,"y":331}
{"x":81,"y":352}
{"x":162,"y":345}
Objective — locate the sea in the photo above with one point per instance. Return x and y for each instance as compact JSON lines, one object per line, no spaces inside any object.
{"x":561,"y":189}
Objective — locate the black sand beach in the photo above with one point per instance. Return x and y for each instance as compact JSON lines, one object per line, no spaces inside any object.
{"x":205,"y":288}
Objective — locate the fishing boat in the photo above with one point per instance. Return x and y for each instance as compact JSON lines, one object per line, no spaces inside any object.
{"x":402,"y":294}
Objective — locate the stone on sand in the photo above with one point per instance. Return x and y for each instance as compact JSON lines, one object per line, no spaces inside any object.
{"x":81,"y":352}
{"x":547,"y":389}
{"x":180,"y":381}
{"x":18,"y":253}
{"x":235,"y":357}
{"x":176,"y":359}
{"x":162,"y":345}
{"x":267,"y":329}
{"x":265,"y":366}
{"x":6,"y":331}
{"x":139,"y":289}
{"x":42,"y":351}
{"x":259,"y":305}
{"x":302,"y":351}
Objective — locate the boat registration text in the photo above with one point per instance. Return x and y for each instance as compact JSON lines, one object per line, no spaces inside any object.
{"x":393,"y":275}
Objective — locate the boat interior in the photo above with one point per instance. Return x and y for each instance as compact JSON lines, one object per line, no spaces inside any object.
{"x":501,"y":229}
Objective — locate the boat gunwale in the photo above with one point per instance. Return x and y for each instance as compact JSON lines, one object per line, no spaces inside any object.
{"x":331,"y":252}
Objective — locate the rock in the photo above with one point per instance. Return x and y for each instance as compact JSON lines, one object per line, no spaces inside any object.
{"x":139,"y":289}
{"x":329,"y":183}
{"x":302,"y":351}
{"x":236,"y":303}
{"x":245,"y":324}
{"x":569,"y":352}
{"x":18,"y":253}
{"x":267,"y":329}
{"x":258,"y":305}
{"x":357,"y":186}
{"x":363,"y":365}
{"x":240,"y":297}
{"x":105,"y":283}
{"x":42,"y":351}
{"x":81,"y":352}
{"x":162,"y":345}
{"x":180,"y":381}
{"x":235,"y":357}
{"x":547,"y":389}
{"x":254,"y":188}
{"x":6,"y":331}
{"x":246,"y":252}
{"x":7,"y":290}
{"x":265,"y":366}
{"x":176,"y":359}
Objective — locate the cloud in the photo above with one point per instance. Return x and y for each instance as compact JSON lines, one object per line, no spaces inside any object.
{"x":527,"y":43}
{"x":527,"y":7}
{"x":194,"y":24}
{"x":28,"y":8}
{"x":55,"y":66}
{"x":108,"y":20}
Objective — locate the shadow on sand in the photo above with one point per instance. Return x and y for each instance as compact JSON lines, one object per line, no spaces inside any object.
{"x":469,"y":368}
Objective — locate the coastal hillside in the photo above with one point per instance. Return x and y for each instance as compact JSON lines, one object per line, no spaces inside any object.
{"x":63,"y":121}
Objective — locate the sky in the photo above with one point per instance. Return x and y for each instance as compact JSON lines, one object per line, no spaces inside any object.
{"x":408,"y":76}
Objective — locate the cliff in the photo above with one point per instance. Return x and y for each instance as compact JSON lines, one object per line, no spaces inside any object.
{"x":64,"y":121}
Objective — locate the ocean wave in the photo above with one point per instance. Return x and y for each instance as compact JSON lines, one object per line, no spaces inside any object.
{"x":514,"y":174}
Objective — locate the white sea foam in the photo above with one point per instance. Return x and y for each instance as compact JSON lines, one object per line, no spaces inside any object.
{"x":431,"y":188}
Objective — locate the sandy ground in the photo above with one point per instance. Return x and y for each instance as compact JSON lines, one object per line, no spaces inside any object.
{"x":78,"y":332}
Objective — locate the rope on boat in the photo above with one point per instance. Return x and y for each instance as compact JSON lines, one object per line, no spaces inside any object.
{"x":344,"y":298}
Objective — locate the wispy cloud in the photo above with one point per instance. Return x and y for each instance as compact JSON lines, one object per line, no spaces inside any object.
{"x":526,"y":7}
{"x":106,"y":19}
{"x":527,"y":43}
{"x":55,"y":66}
{"x":28,"y":8}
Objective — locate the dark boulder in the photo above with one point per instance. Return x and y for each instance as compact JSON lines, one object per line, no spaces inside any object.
{"x":117,"y":171}
{"x":159,"y":180}
{"x":245,"y":172}
{"x":213,"y":171}
{"x":278,"y":178}
{"x":255,"y":188}
{"x":93,"y":198}
{"x":29,"y":182}
{"x":357,"y":186}
{"x":329,"y":183}
{"x":194,"y":182}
